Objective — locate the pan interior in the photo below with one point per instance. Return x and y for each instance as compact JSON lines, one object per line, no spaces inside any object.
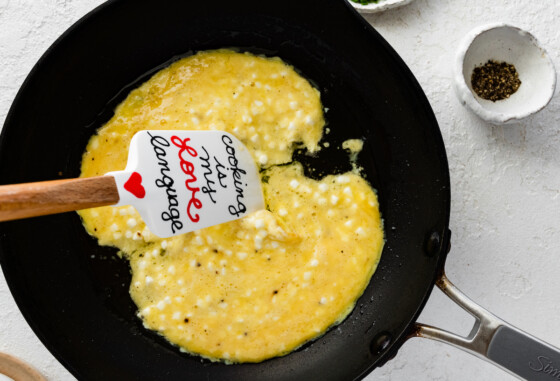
{"x":74,"y":293}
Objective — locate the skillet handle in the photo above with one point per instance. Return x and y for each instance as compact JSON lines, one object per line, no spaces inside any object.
{"x":524,"y":355}
{"x":496,"y":341}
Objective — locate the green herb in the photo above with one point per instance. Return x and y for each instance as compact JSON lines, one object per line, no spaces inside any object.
{"x":366,"y":2}
{"x":495,"y":80}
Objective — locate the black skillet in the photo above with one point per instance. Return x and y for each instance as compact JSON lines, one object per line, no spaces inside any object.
{"x":74,"y":294}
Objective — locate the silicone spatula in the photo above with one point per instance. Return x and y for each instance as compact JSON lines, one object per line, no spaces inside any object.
{"x":179,"y":181}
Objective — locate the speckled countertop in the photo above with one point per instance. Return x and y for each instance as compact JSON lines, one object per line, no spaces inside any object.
{"x":505,"y":212}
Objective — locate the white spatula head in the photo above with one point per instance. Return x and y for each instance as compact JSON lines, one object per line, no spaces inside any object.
{"x":181,"y":181}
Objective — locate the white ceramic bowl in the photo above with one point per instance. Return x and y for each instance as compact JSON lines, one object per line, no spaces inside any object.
{"x":501,"y":42}
{"x":380,"y":6}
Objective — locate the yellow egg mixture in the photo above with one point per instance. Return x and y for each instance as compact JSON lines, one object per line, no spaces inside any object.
{"x":261,"y":286}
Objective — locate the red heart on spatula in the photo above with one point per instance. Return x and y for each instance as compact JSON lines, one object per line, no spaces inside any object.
{"x":134,"y":185}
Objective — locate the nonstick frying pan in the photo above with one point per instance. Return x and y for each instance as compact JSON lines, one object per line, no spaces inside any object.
{"x":74,"y":293}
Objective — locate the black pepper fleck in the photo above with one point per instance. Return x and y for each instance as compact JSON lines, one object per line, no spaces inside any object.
{"x":495,"y":81}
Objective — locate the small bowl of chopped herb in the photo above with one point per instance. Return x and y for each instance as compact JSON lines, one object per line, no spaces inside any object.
{"x":373,"y":6}
{"x":503,"y":74}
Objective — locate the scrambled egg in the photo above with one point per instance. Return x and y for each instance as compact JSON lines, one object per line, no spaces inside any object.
{"x":261,"y":286}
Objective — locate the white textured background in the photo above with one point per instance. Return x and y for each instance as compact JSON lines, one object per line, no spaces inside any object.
{"x":505,"y":180}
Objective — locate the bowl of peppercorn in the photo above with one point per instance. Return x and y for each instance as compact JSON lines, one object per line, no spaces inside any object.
{"x":503,"y":74}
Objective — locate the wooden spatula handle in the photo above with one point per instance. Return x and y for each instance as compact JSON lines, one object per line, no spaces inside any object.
{"x":58,"y":196}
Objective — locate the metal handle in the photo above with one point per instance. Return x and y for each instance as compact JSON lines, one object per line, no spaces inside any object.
{"x":496,"y":341}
